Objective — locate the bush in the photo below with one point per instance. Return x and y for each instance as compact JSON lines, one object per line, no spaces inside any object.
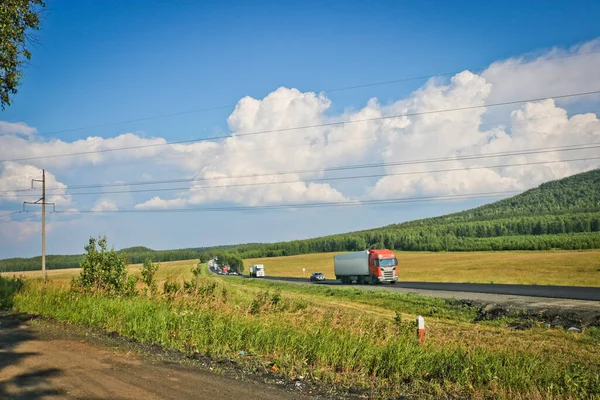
{"x":149,"y":269}
{"x":232,"y":261}
{"x":171,"y":288}
{"x":103,"y":270}
{"x":8,"y":288}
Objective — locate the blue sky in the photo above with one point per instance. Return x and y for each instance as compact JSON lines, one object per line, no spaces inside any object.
{"x":106,"y":61}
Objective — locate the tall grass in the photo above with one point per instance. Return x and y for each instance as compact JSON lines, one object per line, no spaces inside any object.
{"x":272,"y":329}
{"x":8,"y":288}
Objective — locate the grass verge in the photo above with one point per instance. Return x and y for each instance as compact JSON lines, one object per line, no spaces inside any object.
{"x":348,"y":340}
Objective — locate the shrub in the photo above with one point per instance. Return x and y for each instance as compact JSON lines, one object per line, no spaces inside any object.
{"x":149,"y":269}
{"x":8,"y":288}
{"x":171,"y":288}
{"x":102,"y":270}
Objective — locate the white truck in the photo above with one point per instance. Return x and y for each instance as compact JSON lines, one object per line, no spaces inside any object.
{"x":257,"y":271}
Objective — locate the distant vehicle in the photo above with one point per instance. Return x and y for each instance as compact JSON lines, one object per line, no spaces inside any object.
{"x":317,"y":277}
{"x":257,"y":271}
{"x":369,"y":266}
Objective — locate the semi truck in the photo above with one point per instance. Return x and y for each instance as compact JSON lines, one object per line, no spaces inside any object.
{"x":368,"y":266}
{"x":257,"y":271}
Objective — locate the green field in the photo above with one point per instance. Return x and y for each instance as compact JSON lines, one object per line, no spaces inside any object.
{"x":569,"y":268}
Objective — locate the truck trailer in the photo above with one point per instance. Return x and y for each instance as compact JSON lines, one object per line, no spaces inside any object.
{"x":257,"y":271}
{"x":368,"y":266}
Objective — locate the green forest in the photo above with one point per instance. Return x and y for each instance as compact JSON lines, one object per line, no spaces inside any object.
{"x":562,"y":214}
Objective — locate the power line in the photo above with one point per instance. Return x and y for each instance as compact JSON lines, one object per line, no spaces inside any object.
{"x":328,"y":142}
{"x":300,"y":205}
{"x":339,"y":89}
{"x":326,"y":179}
{"x":307,"y":126}
{"x":337,"y":168}
{"x":9,"y":214}
{"x":16,"y":219}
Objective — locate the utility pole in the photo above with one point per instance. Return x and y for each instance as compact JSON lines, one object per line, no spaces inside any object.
{"x":42,"y":201}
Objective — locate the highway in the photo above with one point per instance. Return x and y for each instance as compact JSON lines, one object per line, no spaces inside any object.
{"x":556,"y":292}
{"x":545,"y":291}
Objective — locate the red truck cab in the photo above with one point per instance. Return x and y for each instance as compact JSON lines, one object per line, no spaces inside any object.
{"x":383,"y":265}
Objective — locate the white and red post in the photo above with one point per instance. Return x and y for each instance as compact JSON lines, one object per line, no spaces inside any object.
{"x":421,"y":329}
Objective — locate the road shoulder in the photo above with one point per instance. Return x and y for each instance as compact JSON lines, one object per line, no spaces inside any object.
{"x":41,"y":358}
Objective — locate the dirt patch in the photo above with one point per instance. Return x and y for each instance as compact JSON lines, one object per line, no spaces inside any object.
{"x":41,"y":358}
{"x":526,"y":317}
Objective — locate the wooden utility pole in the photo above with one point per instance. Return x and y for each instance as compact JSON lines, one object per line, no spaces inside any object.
{"x":44,"y":226}
{"x":43,"y":202}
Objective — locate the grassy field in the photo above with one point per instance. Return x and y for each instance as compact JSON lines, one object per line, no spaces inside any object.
{"x":570,"y":268}
{"x":177,"y":270}
{"x":345,"y":337}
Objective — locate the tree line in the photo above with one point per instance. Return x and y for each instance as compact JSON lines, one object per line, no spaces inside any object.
{"x":563,"y":214}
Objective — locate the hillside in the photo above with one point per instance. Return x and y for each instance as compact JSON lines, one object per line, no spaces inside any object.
{"x":562,"y":214}
{"x":574,"y":194}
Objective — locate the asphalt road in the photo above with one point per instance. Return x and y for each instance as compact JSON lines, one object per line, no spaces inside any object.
{"x":556,"y":292}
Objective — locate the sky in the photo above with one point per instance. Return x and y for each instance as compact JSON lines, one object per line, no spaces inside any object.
{"x":377,"y":83}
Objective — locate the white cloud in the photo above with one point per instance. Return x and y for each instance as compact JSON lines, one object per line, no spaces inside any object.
{"x":15,"y":182}
{"x":551,"y":73}
{"x":534,"y":126}
{"x":158,"y":203}
{"x":16,"y":128}
{"x":427,"y":135}
{"x":105,"y":205}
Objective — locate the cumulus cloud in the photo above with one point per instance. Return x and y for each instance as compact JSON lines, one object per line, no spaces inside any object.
{"x":105,"y":205}
{"x":16,"y":128}
{"x":422,"y":136}
{"x":262,"y":157}
{"x":15,"y":180}
{"x":557,"y":71}
{"x":158,"y":203}
{"x":540,"y":125}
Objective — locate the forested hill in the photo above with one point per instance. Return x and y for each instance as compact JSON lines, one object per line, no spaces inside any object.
{"x":562,"y":214}
{"x":577,"y":193}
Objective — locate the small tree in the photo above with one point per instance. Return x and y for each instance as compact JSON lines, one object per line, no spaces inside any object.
{"x":232,"y":261}
{"x":205,"y":257}
{"x":149,"y":269}
{"x":236,"y":263}
{"x":196,"y":271}
{"x":102,"y":269}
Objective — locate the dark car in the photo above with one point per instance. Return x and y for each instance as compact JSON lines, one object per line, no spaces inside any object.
{"x":317,"y":276}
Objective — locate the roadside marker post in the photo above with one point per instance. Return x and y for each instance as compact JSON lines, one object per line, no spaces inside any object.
{"x":421,"y":330}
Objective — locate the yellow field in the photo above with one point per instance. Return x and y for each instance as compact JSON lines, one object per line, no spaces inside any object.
{"x":177,"y":270}
{"x":570,"y":268}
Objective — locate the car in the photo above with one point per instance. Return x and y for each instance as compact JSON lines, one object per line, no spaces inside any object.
{"x":317,"y":277}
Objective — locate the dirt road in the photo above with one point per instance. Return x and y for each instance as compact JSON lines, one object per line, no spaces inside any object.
{"x":43,"y":359}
